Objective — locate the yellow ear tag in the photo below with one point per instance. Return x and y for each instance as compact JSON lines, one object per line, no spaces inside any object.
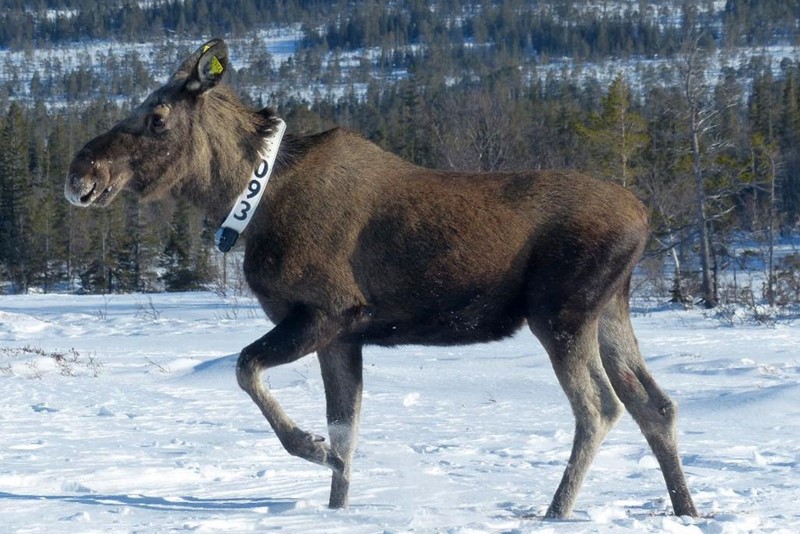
{"x":216,"y":66}
{"x":205,"y":48}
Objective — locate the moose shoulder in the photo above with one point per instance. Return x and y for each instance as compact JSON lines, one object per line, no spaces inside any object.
{"x":354,"y":246}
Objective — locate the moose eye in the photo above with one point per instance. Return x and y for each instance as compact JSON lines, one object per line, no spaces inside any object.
{"x":157,"y":123}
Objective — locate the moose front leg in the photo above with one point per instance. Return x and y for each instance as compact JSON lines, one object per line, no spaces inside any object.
{"x":342,"y":375}
{"x":299,"y":334}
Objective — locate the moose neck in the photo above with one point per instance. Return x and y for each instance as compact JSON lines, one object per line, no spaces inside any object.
{"x":228,"y":145}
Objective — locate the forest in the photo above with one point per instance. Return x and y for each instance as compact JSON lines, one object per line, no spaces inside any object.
{"x":694,"y":106}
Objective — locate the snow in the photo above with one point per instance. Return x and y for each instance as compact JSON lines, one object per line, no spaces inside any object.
{"x":142,"y":428}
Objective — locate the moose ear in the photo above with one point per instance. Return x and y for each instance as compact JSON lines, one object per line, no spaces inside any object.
{"x":204,"y":69}
{"x":189,"y":64}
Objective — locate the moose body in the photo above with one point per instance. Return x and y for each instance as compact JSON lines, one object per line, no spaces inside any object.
{"x":353,"y":246}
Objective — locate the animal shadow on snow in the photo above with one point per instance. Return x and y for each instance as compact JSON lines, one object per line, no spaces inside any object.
{"x":173,"y":504}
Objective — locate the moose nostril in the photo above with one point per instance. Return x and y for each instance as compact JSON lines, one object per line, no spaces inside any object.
{"x":79,"y":190}
{"x":85,"y":198}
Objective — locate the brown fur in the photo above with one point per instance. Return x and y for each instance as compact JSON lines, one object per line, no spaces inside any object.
{"x":353,"y":246}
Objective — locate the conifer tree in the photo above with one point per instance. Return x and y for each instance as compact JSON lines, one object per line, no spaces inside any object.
{"x":15,"y":193}
{"x":790,"y":145}
{"x":186,"y":264}
{"x":616,"y":134}
{"x":104,"y":270}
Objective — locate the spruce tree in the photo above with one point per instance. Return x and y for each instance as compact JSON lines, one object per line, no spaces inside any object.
{"x":185,"y":259}
{"x":616,"y":134}
{"x":15,"y":191}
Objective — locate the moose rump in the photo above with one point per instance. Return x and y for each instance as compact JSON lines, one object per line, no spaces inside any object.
{"x":353,"y":246}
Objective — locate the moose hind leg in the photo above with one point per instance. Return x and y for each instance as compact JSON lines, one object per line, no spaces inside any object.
{"x":651,"y":408}
{"x":299,"y":334}
{"x":576,"y":361}
{"x":342,"y":375}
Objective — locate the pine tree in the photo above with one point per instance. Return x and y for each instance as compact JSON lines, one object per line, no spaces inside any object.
{"x":790,"y":145}
{"x":41,"y":212}
{"x":15,"y":193}
{"x":143,"y":227}
{"x":616,"y":134}
{"x":186,"y":263}
{"x":104,"y":272}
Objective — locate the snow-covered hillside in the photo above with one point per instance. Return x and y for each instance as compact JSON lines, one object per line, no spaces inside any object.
{"x":122,"y":414}
{"x":339,"y":72}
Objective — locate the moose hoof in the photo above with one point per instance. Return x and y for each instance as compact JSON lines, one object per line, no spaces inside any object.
{"x":557,"y":512}
{"x":312,"y":447}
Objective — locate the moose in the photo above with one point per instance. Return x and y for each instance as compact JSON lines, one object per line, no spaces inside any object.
{"x":353,"y":246}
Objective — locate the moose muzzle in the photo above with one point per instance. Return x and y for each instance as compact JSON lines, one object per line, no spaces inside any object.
{"x":93,"y":177}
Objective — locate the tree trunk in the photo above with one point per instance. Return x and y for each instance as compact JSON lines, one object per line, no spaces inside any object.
{"x":707,"y":279}
{"x":771,"y":237}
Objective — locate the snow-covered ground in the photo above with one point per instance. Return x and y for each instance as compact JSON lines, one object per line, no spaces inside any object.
{"x":122,"y":414}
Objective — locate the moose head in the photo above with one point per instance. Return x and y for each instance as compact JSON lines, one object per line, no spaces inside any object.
{"x":185,"y":135}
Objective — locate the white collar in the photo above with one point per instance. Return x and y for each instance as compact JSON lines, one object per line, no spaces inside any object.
{"x":247,"y":203}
